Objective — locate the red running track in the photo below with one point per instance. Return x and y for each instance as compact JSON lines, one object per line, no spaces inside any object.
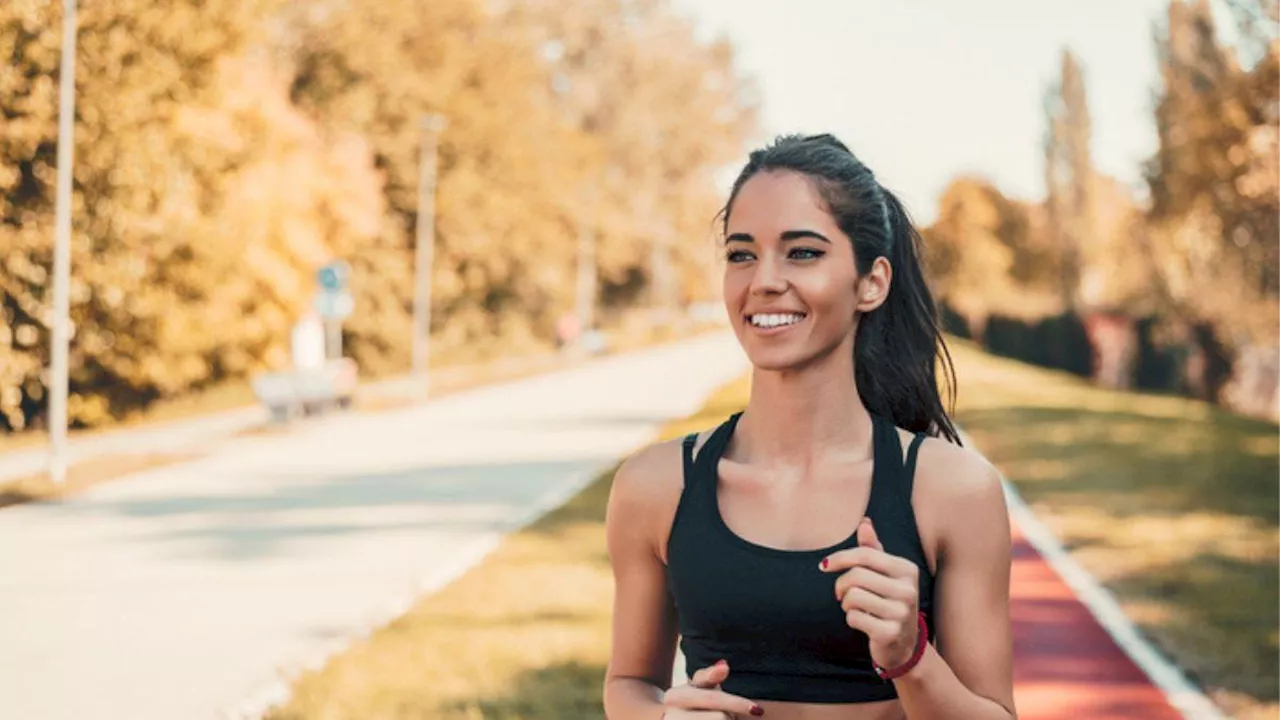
{"x":1066,"y":666}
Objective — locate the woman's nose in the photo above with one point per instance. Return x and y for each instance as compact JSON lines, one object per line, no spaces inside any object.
{"x":769,"y":278}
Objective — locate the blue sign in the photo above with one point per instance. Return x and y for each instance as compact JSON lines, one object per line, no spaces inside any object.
{"x":333,"y":276}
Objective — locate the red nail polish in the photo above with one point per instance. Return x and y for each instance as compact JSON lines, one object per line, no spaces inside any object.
{"x":824,"y":563}
{"x":757,"y":710}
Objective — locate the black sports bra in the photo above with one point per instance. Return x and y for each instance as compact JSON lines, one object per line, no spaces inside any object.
{"x":771,"y":613}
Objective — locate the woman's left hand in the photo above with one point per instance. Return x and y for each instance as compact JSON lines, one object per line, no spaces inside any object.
{"x":880,"y":596}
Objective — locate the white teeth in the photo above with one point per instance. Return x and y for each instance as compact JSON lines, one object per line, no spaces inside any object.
{"x":771,"y":320}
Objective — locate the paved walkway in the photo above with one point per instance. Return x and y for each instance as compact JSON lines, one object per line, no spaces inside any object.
{"x":180,"y":592}
{"x":198,"y":434}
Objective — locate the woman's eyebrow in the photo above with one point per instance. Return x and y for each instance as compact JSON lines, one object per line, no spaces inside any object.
{"x":786,"y":235}
{"x":799,"y":234}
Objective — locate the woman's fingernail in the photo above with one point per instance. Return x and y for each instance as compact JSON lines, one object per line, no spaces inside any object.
{"x":757,"y":710}
{"x":825,"y":561}
{"x":722,"y":662}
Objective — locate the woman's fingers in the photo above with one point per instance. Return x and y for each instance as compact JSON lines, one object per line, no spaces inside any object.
{"x":878,"y":560}
{"x":688,"y":697}
{"x":710,"y":677}
{"x":702,"y":698}
{"x":859,"y":598}
{"x":877,"y":629}
{"x":885,"y":586}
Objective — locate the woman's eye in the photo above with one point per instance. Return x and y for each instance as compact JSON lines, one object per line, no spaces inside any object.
{"x":805,"y":254}
{"x":737,"y":256}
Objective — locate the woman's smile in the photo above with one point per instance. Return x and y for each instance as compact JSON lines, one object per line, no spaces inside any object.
{"x":774,"y":323}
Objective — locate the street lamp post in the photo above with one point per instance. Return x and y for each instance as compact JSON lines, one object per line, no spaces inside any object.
{"x":60,"y":330}
{"x":432,"y":125}
{"x":587,"y":274}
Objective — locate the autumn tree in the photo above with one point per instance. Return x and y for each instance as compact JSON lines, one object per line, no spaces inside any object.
{"x":632,"y":88}
{"x":983,"y":256}
{"x":163,"y":299}
{"x":1215,"y":202}
{"x":1117,"y":274}
{"x":227,"y":148}
{"x":1068,"y":172}
{"x":559,"y":117}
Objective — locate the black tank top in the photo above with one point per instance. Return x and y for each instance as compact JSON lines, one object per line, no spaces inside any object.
{"x":771,"y":613}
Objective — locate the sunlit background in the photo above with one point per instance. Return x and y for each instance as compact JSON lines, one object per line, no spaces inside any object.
{"x":296,"y":228}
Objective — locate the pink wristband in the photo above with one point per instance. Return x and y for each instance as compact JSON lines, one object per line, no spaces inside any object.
{"x":922,"y":640}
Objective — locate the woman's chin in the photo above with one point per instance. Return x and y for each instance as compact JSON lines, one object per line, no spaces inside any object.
{"x":776,"y":360}
{"x":791,"y":357}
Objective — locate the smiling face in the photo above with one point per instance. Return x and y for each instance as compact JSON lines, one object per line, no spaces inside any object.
{"x":791,"y":285}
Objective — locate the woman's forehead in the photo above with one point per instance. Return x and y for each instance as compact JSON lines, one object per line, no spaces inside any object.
{"x":780,"y":199}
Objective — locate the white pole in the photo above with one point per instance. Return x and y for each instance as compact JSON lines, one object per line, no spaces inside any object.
{"x":61,"y":336}
{"x":424,"y":256}
{"x":587,"y":280}
{"x":333,"y":339}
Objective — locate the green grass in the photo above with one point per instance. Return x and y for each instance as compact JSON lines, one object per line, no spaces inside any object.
{"x":1170,"y":502}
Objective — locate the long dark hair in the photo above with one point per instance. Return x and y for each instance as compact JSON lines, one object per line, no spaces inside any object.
{"x":899,"y":344}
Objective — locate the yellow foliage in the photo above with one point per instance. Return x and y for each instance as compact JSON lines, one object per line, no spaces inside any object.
{"x":227,"y":148}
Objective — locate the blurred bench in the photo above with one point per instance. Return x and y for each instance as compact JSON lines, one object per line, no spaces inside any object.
{"x":309,"y":391}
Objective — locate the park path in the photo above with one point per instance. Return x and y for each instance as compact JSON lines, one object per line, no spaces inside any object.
{"x":191,"y":435}
{"x":183,"y":592}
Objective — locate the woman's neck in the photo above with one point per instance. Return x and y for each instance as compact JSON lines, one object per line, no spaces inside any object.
{"x":797,"y":416}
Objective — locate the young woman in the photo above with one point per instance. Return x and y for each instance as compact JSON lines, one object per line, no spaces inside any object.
{"x":830,"y":553}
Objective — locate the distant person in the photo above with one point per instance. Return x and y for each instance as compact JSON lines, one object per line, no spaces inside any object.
{"x":832,"y":552}
{"x":568,"y":330}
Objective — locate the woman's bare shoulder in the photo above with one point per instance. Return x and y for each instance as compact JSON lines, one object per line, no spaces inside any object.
{"x":958,"y":493}
{"x":950,"y":471}
{"x":647,"y":486}
{"x":650,"y":473}
{"x":656,"y":470}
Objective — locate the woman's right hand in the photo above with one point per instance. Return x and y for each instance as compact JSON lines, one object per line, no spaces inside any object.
{"x":702,"y":698}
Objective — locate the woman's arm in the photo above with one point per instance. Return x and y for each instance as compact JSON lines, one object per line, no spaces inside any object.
{"x":970,"y":674}
{"x":637,"y":686}
{"x":644,"y":622}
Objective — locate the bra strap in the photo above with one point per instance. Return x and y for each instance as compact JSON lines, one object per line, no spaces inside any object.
{"x":689,"y":441}
{"x":714,"y":447}
{"x":909,"y":472}
{"x":886,"y":450}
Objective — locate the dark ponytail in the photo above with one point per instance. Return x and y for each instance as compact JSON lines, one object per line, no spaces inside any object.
{"x":899,"y":344}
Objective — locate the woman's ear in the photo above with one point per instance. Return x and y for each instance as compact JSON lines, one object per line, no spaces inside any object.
{"x":873,"y":287}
